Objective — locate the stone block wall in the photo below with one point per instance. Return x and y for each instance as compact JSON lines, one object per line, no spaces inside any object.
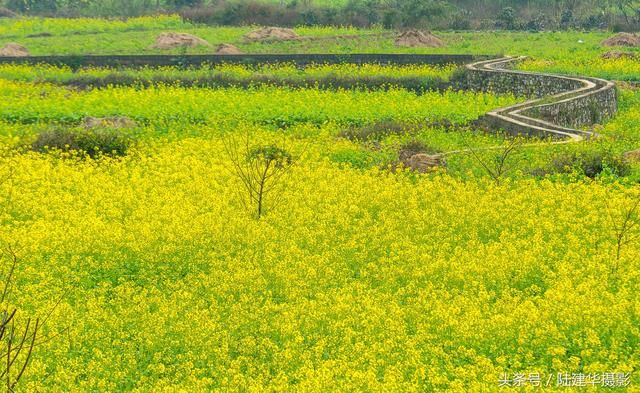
{"x":559,"y":105}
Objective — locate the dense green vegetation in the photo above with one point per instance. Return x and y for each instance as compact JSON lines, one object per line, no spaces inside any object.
{"x":455,"y":14}
{"x":370,"y":76}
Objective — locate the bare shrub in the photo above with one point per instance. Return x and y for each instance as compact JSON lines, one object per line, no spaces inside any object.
{"x":502,"y":163}
{"x":260,"y":169}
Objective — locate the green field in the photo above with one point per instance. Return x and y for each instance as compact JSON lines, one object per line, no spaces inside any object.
{"x":153,"y":271}
{"x":564,"y":52}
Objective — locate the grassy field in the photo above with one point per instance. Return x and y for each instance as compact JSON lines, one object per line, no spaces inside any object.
{"x":156,"y":275}
{"x":566,"y":52}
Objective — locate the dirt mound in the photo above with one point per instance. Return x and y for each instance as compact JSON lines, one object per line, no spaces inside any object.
{"x":227,"y":49}
{"x":178,"y":40}
{"x":622,"y":39}
{"x":419,"y":39}
{"x":272,"y":33}
{"x":615,"y":55}
{"x":632,"y":156}
{"x":14,"y":50}
{"x":7,"y":13}
{"x":424,"y":162}
{"x":108,"y":122}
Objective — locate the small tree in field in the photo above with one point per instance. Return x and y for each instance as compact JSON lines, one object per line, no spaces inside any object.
{"x":261,"y":170}
{"x":502,"y":164}
{"x":16,"y":343}
{"x":17,"y":339}
{"x":625,"y":224}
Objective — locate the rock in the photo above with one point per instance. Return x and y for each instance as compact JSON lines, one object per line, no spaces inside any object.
{"x":108,"y":122}
{"x":14,"y":50}
{"x":178,"y":40}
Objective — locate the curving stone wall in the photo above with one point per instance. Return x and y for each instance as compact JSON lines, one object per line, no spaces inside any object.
{"x":559,"y":106}
{"x":299,"y":59}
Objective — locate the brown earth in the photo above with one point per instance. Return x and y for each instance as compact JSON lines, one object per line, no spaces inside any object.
{"x":14,"y":50}
{"x":227,"y":49}
{"x":632,"y":156}
{"x":108,"y":122}
{"x":424,"y":162}
{"x":622,"y":39}
{"x":177,"y":40}
{"x":418,"y":39}
{"x":7,"y":13}
{"x":272,"y":34}
{"x":614,"y":55}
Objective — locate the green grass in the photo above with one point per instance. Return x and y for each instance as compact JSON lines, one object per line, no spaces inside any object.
{"x":565,"y":52}
{"x":97,"y":36}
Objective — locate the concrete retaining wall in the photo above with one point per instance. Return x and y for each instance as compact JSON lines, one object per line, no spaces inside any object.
{"x":560,"y":105}
{"x":187,"y":60}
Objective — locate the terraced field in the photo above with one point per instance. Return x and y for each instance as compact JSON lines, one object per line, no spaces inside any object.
{"x":137,"y":240}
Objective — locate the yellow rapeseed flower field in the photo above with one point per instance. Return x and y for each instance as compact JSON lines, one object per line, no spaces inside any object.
{"x":359,"y":281}
{"x":153,"y":277}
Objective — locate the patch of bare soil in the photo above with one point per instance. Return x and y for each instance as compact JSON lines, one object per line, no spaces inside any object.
{"x":418,"y":39}
{"x":615,"y":55}
{"x":108,"y":122}
{"x":622,"y":39}
{"x":227,"y":49}
{"x":424,"y":163}
{"x":632,"y":156}
{"x":272,"y":34}
{"x":14,"y":50}
{"x":178,"y":40}
{"x":7,"y":13}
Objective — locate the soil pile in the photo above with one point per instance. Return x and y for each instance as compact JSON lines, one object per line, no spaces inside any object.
{"x":424,"y":162}
{"x":272,"y":34}
{"x":632,"y":156}
{"x":14,"y":50}
{"x":615,"y":55}
{"x":108,"y":122}
{"x":7,"y":13}
{"x":419,"y":39}
{"x":622,"y":39}
{"x":227,"y":49}
{"x":177,"y":40}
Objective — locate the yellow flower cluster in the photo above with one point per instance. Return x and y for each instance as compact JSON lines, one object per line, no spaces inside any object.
{"x":26,"y":102}
{"x":626,"y":68}
{"x":30,"y":25}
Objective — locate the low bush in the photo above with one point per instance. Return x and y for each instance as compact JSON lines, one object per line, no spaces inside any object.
{"x":93,"y":142}
{"x":413,"y":147}
{"x":376,"y":131}
{"x":589,"y":163}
